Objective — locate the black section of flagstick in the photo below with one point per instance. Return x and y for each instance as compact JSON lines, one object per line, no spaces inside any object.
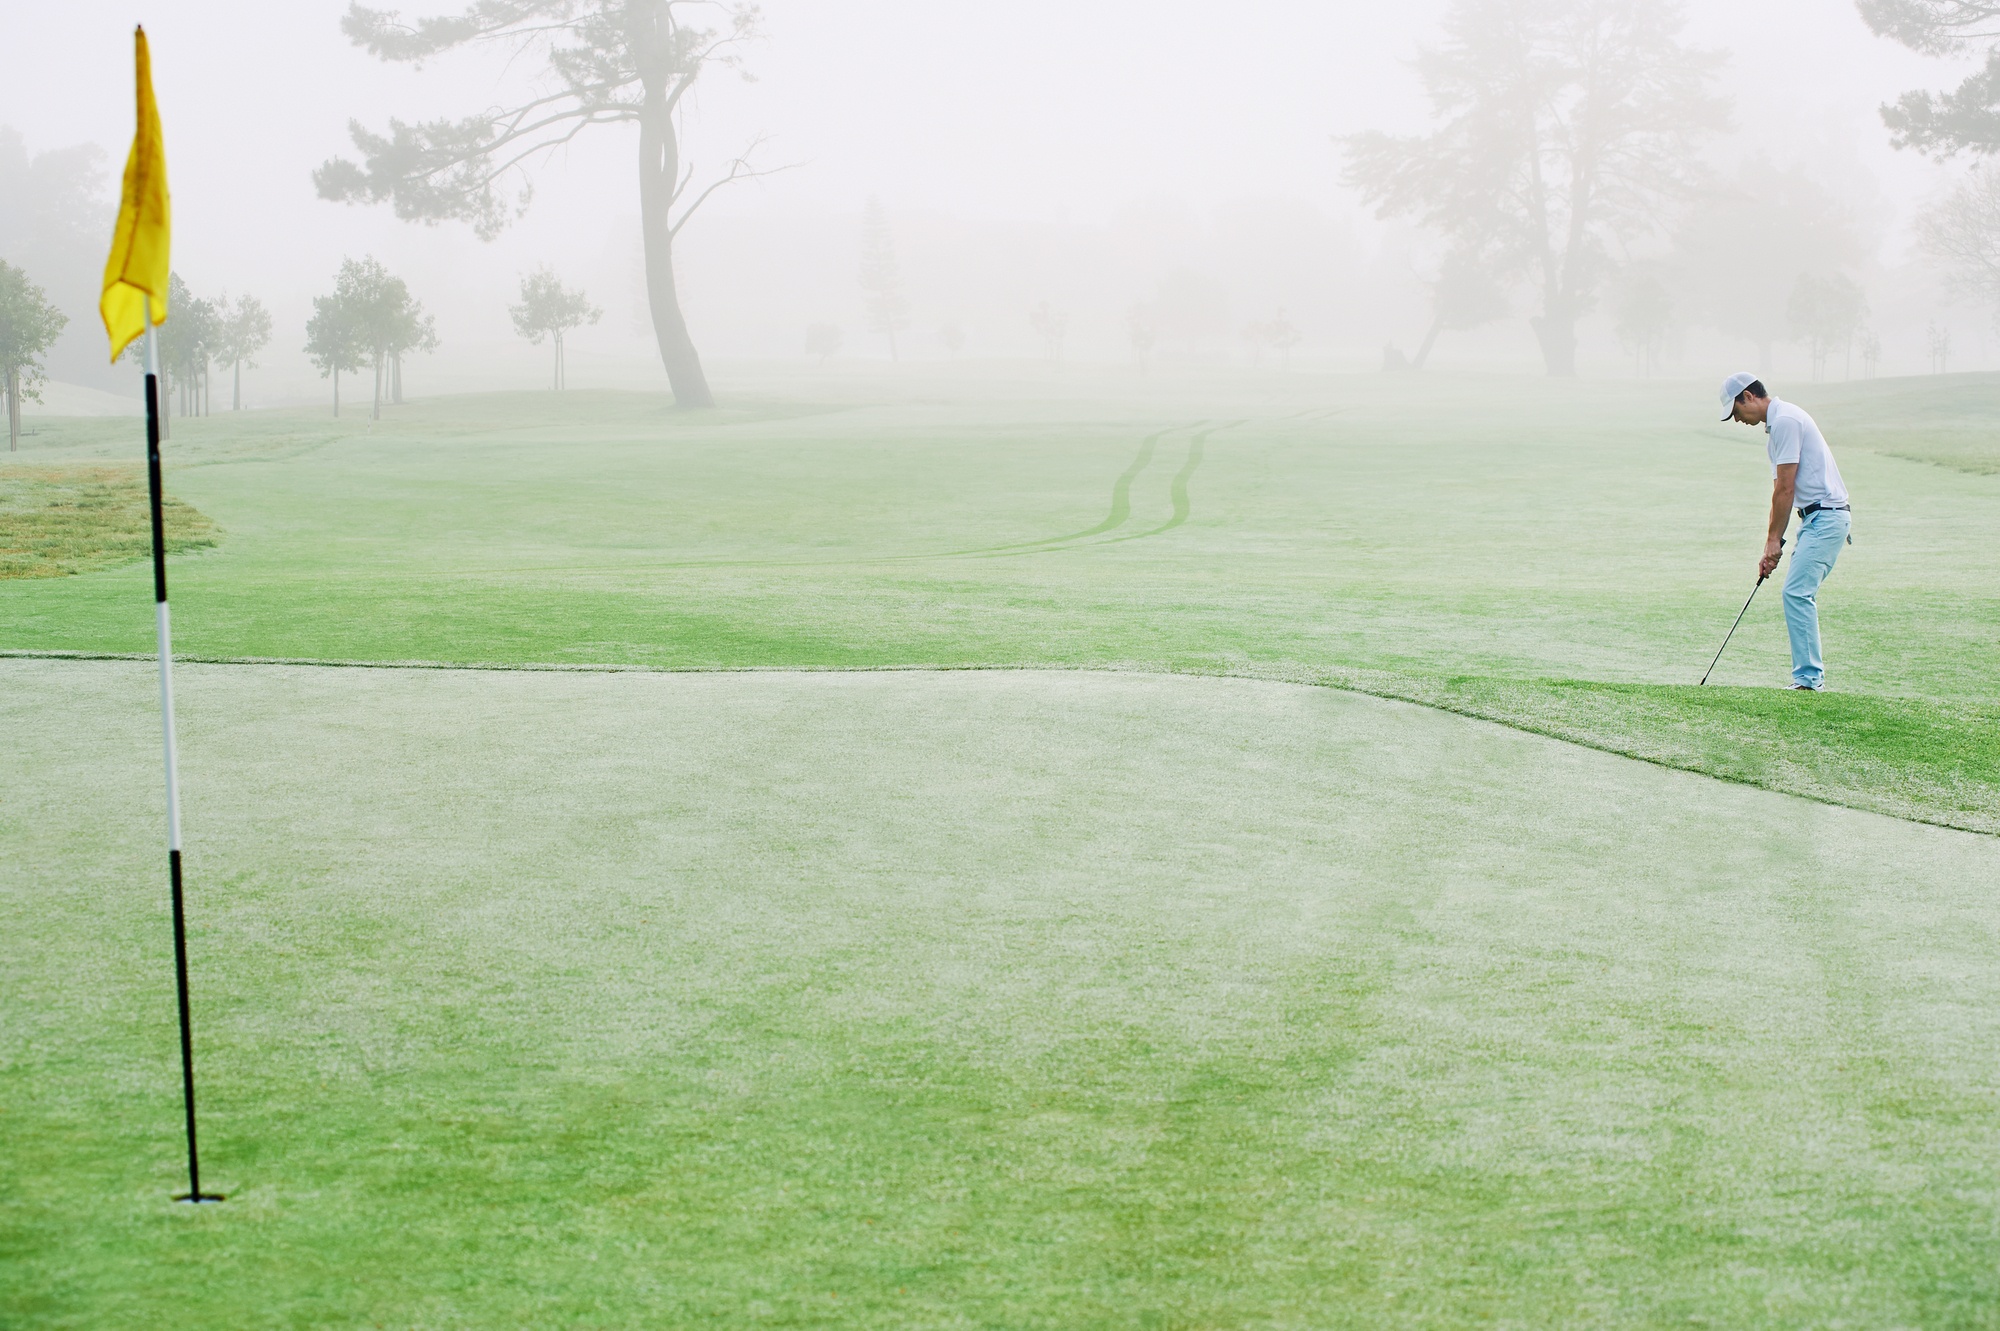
{"x":153,"y":486}
{"x":194,"y":1192}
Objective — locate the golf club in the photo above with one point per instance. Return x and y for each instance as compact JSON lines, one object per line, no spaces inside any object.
{"x":1739,"y":618}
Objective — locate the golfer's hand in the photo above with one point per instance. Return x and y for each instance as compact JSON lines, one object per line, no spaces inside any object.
{"x":1772,"y":549}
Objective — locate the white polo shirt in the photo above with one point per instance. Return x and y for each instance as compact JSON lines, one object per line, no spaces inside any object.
{"x":1794,"y":437}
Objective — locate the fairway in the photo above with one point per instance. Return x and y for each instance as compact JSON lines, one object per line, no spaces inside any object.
{"x":1563,"y":558}
{"x":1014,"y":998}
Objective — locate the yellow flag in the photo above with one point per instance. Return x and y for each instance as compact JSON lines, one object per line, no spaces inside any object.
{"x":138,"y":265}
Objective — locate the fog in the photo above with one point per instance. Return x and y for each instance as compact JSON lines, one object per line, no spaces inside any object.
{"x":1102,"y":161}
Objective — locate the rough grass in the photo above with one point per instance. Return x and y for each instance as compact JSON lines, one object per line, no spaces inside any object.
{"x":59,"y":521}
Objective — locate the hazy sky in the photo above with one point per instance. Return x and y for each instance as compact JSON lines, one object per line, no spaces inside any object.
{"x":1047,"y":109}
{"x":1040,"y":110}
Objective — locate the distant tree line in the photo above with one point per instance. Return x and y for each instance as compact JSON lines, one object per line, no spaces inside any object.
{"x":52,"y":220}
{"x":29,"y":326}
{"x":1566,"y":161}
{"x":200,"y":333}
{"x":369,"y":321}
{"x":1565,"y":170}
{"x":630,"y":62}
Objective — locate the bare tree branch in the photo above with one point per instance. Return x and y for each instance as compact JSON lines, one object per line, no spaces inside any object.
{"x":739,"y":170}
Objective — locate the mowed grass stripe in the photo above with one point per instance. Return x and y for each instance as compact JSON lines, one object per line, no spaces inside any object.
{"x":1004,"y":998}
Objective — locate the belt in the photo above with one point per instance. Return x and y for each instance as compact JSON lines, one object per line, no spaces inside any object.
{"x":1811,"y":509}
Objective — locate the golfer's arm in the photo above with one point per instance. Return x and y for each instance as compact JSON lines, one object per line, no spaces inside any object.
{"x":1782,"y":490}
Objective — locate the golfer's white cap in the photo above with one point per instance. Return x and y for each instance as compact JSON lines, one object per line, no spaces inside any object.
{"x":1732,"y":386}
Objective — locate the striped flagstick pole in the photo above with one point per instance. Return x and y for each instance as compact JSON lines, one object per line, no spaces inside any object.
{"x":164,"y":626}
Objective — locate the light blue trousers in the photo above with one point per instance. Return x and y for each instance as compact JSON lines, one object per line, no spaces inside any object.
{"x":1814,"y":549}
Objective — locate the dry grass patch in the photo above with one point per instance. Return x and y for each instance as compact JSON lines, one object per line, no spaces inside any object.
{"x":55,"y":521}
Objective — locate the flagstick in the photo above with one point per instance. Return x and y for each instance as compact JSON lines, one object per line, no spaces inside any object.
{"x":166,"y":637}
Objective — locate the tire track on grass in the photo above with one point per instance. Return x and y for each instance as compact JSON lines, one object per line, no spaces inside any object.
{"x":1178,"y":490}
{"x":1120,"y":513}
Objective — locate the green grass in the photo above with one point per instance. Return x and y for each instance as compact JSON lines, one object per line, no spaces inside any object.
{"x":1912,"y":758}
{"x":1946,"y":421}
{"x":1488,"y":543}
{"x":1055,"y":982}
{"x":58,"y":521}
{"x":969,"y":999}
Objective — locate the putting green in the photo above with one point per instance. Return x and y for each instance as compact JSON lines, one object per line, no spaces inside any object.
{"x":1027,"y":999}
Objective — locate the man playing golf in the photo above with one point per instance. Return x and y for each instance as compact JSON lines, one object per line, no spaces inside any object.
{"x":1803,"y":476}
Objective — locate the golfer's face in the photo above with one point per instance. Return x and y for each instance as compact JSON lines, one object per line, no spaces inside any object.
{"x":1749,"y":411}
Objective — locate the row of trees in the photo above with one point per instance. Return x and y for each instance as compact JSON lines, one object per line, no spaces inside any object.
{"x":369,"y":321}
{"x":585,"y":63}
{"x":825,"y":339}
{"x":888,"y":310}
{"x":199,"y":334}
{"x":1827,"y":313}
{"x":1568,"y":138}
